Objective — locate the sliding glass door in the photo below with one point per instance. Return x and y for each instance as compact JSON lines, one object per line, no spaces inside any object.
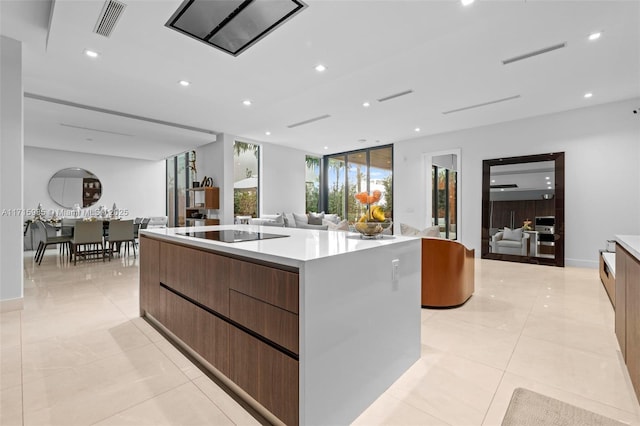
{"x":348,"y":173}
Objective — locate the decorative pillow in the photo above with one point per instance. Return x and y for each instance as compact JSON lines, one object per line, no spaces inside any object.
{"x":300,"y":219}
{"x":316,"y":218}
{"x":512,"y":234}
{"x":410,"y":231}
{"x":289,"y":221}
{"x":432,"y":231}
{"x":340,"y":226}
{"x":334,"y":218}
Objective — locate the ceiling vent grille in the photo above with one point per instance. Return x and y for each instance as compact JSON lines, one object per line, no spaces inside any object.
{"x":396,"y":95}
{"x":534,"y":53}
{"x":311,"y":120}
{"x":109,"y":17}
{"x":496,"y":101}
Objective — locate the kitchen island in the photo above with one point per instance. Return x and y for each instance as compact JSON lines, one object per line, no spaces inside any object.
{"x":309,"y":327}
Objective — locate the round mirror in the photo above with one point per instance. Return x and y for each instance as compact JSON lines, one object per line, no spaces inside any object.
{"x":72,"y":186}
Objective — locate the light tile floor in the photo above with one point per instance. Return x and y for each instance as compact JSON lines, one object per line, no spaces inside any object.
{"x":78,"y":354}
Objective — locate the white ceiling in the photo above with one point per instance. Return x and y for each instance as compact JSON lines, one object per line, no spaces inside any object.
{"x":449,"y":55}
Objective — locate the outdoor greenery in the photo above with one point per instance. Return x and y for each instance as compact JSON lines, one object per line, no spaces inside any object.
{"x":245,"y":203}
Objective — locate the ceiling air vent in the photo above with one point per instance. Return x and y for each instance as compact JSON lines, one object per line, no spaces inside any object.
{"x":311,"y":120}
{"x":534,"y":53}
{"x":496,"y":101}
{"x":109,"y":17}
{"x":395,"y":95}
{"x":232,"y":25}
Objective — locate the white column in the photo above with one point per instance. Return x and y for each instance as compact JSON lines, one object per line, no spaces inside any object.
{"x":11,"y":174}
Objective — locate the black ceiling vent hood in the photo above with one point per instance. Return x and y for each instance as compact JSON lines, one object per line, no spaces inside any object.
{"x":232,"y":25}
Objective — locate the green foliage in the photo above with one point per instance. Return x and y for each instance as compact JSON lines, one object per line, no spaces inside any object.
{"x":245,"y":203}
{"x":387,"y":183}
{"x":312,"y":197}
{"x":242,"y":147}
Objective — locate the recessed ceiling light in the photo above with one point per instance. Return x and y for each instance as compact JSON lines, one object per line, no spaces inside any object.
{"x":320,"y":68}
{"x":362,"y":140}
{"x":417,"y":129}
{"x":268,"y":133}
{"x":466,"y":2}
{"x":595,"y":36}
{"x":493,"y":181}
{"x":91,"y":53}
{"x":547,"y":177}
{"x":184,"y":83}
{"x":588,"y":95}
{"x":366,"y":104}
{"x":502,"y":189}
{"x":548,"y":187}
{"x":326,"y":147}
{"x":246,"y":102}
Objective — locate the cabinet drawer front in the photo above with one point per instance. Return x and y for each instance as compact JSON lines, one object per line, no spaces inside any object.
{"x":198,"y":274}
{"x":205,"y":333}
{"x":266,"y":374}
{"x":276,"y":324}
{"x":271,"y":285}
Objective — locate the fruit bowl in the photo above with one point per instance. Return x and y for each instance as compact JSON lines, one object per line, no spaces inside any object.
{"x":371,"y":229}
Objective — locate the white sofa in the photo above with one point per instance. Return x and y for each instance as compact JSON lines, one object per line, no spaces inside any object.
{"x":319,"y":221}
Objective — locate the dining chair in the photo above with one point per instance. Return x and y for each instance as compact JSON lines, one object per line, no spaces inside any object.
{"x":48,"y":237}
{"x":120,"y":231}
{"x":87,"y":236}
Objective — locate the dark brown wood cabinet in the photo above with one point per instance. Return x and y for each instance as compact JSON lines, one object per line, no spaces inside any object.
{"x":200,"y":275}
{"x":266,"y":374}
{"x":627,"y":318}
{"x":149,"y":275}
{"x":512,"y":214}
{"x":240,"y":316}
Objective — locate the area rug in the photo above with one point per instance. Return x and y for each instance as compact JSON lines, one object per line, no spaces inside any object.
{"x":528,"y":408}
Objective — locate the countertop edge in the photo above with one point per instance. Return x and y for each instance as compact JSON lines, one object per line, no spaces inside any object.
{"x":630,"y":243}
{"x":275,"y":258}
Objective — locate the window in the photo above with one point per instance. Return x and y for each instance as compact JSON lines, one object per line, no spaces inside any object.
{"x":356,"y":171}
{"x":177,"y":184}
{"x":312,"y":184}
{"x":246,"y":172}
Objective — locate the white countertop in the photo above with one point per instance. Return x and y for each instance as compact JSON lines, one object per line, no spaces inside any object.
{"x":301,"y":245}
{"x":630,"y":243}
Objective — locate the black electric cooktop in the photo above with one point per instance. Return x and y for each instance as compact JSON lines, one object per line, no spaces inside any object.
{"x":231,"y":235}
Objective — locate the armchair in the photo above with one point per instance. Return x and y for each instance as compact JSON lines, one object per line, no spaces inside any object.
{"x":448,"y":270}
{"x":510,"y":242}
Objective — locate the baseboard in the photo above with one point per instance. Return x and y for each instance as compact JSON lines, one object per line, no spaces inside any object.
{"x":11,"y":305}
{"x":581,"y":263}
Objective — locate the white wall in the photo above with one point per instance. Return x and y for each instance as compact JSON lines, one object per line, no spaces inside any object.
{"x":135,"y":185}
{"x":283,"y":180}
{"x":602,"y":172}
{"x":11,"y":170}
